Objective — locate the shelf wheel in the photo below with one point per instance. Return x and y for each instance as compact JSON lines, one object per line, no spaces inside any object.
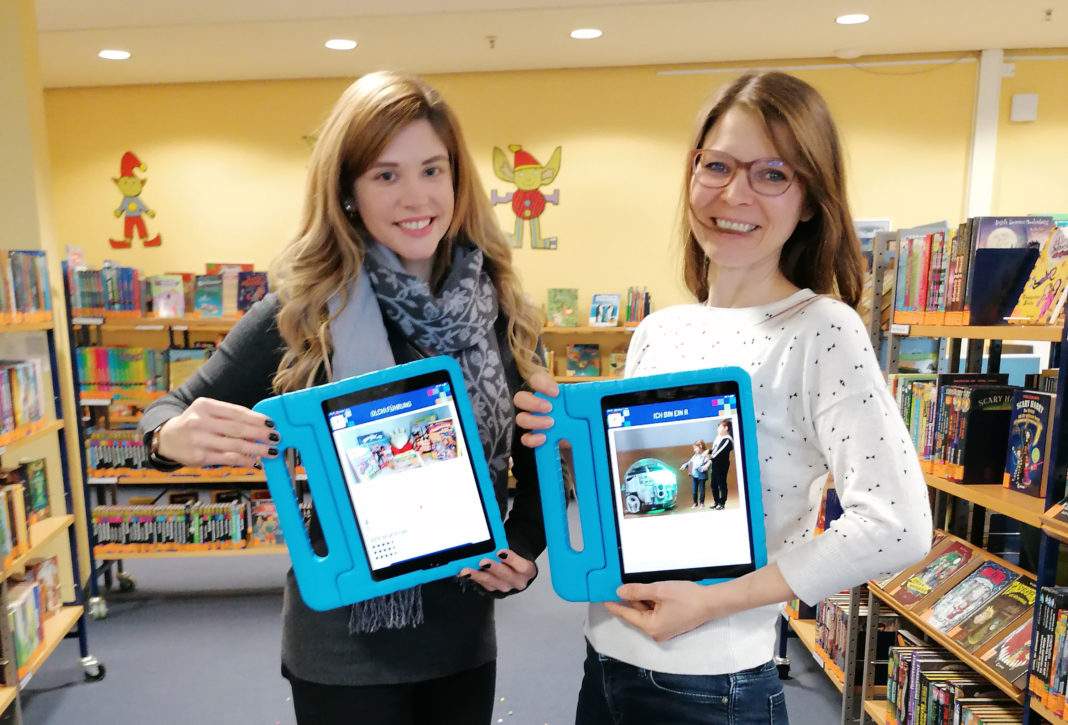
{"x":98,"y":608}
{"x":94,"y":669}
{"x":782,"y":664}
{"x":127,"y":582}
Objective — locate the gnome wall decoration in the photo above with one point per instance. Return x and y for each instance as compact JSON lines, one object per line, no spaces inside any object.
{"x":528,"y":202}
{"x":132,"y":205}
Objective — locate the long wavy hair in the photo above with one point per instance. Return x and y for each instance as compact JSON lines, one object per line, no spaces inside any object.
{"x":822,"y":253}
{"x":329,"y":249}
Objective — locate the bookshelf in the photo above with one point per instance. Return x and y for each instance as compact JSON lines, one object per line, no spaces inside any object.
{"x":46,"y":438}
{"x":992,"y":497}
{"x":608,"y":339}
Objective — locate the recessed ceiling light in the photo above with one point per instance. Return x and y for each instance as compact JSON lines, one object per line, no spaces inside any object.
{"x":340,"y":44}
{"x":586,"y":33}
{"x":852,"y":19}
{"x":114,"y":54}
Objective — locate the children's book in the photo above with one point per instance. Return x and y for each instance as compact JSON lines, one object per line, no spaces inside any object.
{"x":1010,"y":656}
{"x":1027,"y":462}
{"x":209,"y":296}
{"x":604,"y":310}
{"x":969,"y":596}
{"x":265,"y":527}
{"x":978,"y":444}
{"x":188,"y":287}
{"x":37,"y":507}
{"x":996,"y":616}
{"x":251,"y":288}
{"x":182,"y":363}
{"x":563,"y":307}
{"x":229,"y":273}
{"x":168,"y":297}
{"x":583,"y":360}
{"x":948,"y":559}
{"x":617,"y":361}
{"x":1046,"y":283}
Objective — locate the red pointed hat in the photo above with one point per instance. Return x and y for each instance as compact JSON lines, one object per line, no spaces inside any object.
{"x":522,"y":158}
{"x":129,"y":163}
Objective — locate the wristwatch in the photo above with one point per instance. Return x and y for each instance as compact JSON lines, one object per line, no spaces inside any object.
{"x":154,"y":458}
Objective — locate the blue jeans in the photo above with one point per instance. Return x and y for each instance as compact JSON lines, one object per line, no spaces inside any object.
{"x":615,"y":693}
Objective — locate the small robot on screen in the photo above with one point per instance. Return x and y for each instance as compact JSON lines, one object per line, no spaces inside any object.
{"x":132,"y":205}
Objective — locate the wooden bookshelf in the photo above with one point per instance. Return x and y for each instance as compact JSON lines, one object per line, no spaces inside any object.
{"x":192,"y":323}
{"x":41,"y":533}
{"x":56,"y":628}
{"x":48,"y":428}
{"x":806,"y":632}
{"x":249,"y":551}
{"x":7,"y":696}
{"x":952,"y":647}
{"x":995,"y":497}
{"x":617,"y":330}
{"x":1047,"y":714}
{"x":877,"y":710}
{"x":1025,"y":333}
{"x":25,"y":327}
{"x":164,"y":479}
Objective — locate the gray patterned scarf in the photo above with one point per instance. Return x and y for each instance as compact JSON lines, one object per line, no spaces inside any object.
{"x":458,"y":322}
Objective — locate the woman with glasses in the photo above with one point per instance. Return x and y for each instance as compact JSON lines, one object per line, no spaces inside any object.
{"x":775,"y":268}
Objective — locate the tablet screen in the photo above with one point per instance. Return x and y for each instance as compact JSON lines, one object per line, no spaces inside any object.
{"x":659,"y":441}
{"x":409,"y":475}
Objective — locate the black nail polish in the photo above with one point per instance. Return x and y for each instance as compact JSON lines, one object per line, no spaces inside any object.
{"x":258,"y":465}
{"x":274,"y":437}
{"x":272,"y":452}
{"x":464,"y":576}
{"x":503,"y":554}
{"x":484,"y":567}
{"x":269,"y":423}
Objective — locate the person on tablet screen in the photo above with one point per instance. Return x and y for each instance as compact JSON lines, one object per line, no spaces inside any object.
{"x":398,"y":257}
{"x":698,"y":465}
{"x":775,"y":270}
{"x":720,"y":463}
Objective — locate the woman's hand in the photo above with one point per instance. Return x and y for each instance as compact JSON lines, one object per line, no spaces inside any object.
{"x":511,"y":574}
{"x":533,"y":410}
{"x":213,"y":433}
{"x":662,"y":610}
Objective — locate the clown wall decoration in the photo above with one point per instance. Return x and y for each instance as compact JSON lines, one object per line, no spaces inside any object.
{"x":528,"y":202}
{"x":132,"y":205}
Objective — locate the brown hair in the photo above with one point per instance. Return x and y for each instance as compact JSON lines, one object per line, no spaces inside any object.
{"x":822,"y":253}
{"x":328,"y":251}
{"x":700,"y":445}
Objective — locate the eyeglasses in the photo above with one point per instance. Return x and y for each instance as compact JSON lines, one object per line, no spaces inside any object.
{"x":716,"y":169}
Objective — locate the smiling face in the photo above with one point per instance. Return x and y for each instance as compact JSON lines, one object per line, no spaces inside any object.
{"x":405,"y":197}
{"x":742,"y":232}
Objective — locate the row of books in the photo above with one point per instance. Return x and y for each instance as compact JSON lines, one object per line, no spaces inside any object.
{"x":135,"y":369}
{"x":25,"y":295}
{"x":973,"y":428}
{"x":194,"y":526}
{"x":832,"y":641}
{"x":23,"y":502}
{"x":562,"y":309}
{"x":972,"y":598}
{"x":22,"y":397}
{"x":990,"y":270}
{"x":1049,"y":669}
{"x":926,"y":685}
{"x":122,"y":292}
{"x":32,"y":598}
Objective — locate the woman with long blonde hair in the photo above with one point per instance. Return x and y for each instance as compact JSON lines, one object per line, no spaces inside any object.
{"x":398,"y":257}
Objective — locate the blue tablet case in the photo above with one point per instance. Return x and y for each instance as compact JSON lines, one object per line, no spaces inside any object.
{"x":343,"y":576}
{"x":593,"y":574}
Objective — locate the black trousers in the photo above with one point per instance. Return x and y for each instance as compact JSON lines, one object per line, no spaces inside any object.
{"x":465,"y":698}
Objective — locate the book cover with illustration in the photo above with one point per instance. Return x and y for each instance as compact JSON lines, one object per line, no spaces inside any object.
{"x":251,"y":288}
{"x":617,"y":362}
{"x":168,"y":297}
{"x":208,"y":295}
{"x":961,"y":602}
{"x":563,"y":307}
{"x":1027,"y":460}
{"x":583,"y":360}
{"x":1010,"y":656}
{"x":947,"y":558}
{"x":1046,"y":285}
{"x":182,"y":363}
{"x":978,"y":445}
{"x":996,"y":616}
{"x":604,"y":310}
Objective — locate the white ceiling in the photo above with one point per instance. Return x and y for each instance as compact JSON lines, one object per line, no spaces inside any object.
{"x":205,"y":40}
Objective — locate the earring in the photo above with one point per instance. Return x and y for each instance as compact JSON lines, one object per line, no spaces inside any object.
{"x":347,"y":206}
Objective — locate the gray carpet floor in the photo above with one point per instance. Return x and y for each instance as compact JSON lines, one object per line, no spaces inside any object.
{"x":198,"y":642}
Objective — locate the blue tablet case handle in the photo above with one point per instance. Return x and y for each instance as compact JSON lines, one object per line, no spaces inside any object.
{"x":594,"y":573}
{"x":343,"y":575}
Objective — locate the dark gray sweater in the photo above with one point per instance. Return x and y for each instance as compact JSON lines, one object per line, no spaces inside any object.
{"x":458,"y":631}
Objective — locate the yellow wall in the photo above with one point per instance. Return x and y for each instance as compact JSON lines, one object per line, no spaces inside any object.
{"x":1032,"y":157}
{"x":226,"y":160}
